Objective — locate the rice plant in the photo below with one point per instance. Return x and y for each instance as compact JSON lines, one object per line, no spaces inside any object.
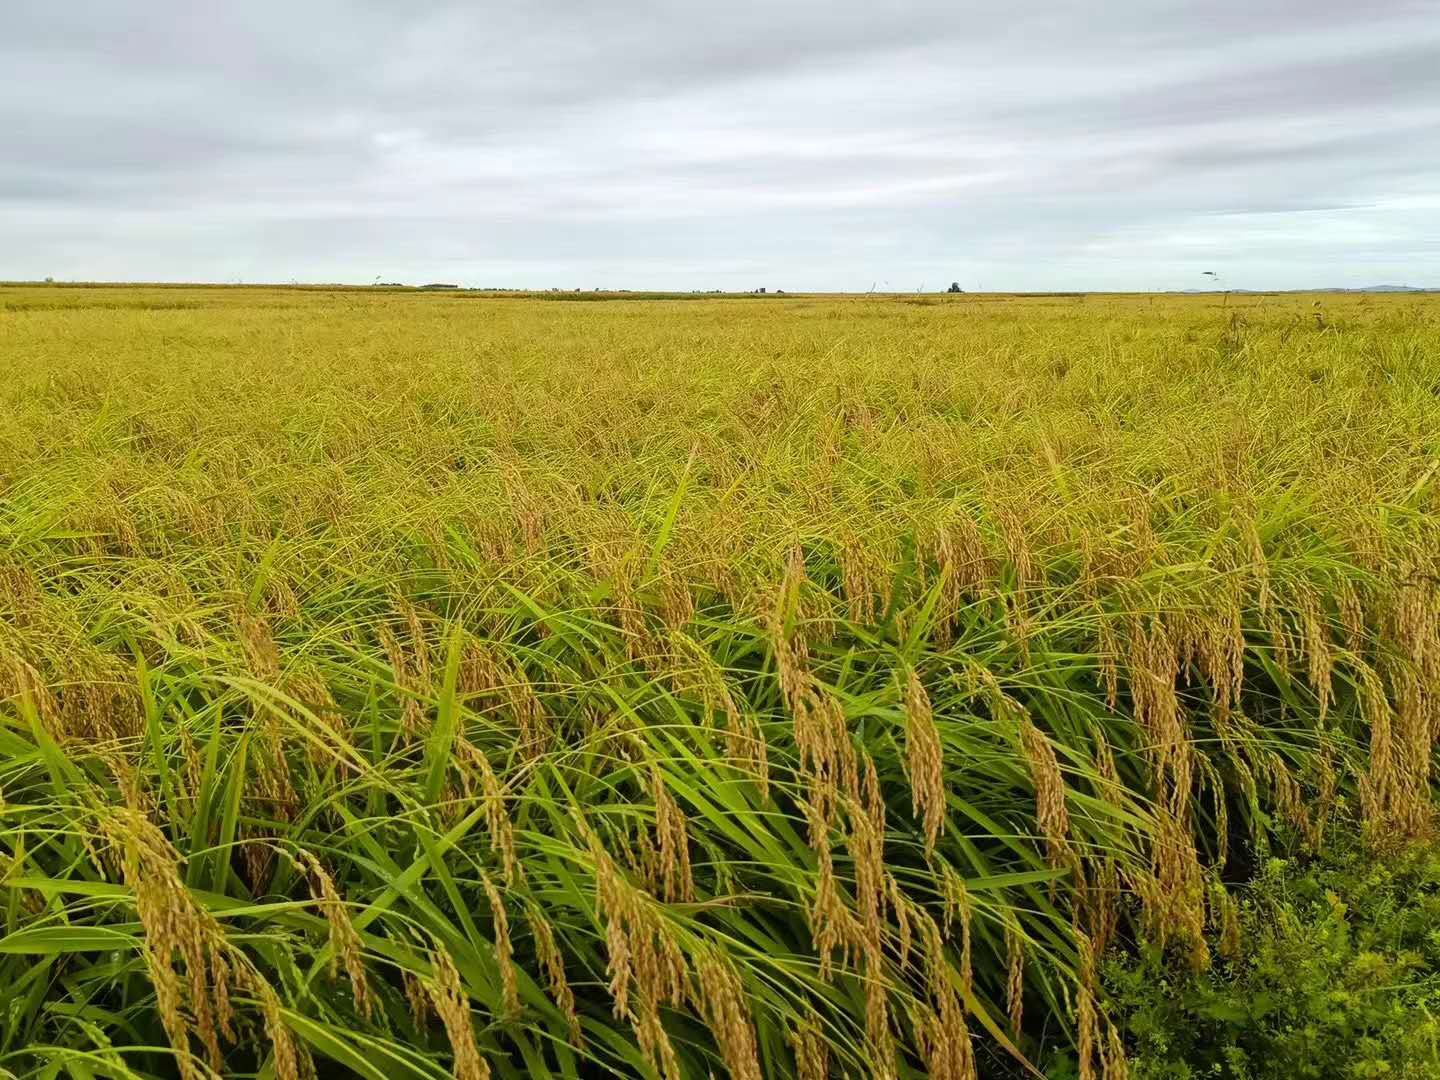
{"x":422,"y":686}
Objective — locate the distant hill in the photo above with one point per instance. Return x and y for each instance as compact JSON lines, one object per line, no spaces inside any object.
{"x":1333,"y":288}
{"x":1387,"y":288}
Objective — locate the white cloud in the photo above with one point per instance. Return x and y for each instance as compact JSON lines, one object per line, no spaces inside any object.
{"x":695,"y":145}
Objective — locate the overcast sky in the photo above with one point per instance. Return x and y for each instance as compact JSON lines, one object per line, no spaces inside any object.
{"x":729,"y":144}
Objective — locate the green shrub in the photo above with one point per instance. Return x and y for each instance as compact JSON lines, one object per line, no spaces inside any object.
{"x":1339,"y":976}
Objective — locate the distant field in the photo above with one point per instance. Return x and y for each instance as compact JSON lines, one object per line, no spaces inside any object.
{"x":416,"y":685}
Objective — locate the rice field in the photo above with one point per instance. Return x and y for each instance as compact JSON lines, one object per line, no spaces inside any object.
{"x":414,"y":686}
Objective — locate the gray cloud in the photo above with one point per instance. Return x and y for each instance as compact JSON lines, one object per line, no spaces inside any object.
{"x":649,"y":144}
